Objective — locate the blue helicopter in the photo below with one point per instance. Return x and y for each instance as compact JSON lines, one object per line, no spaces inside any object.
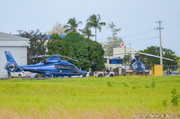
{"x":136,"y":65}
{"x":53,"y":66}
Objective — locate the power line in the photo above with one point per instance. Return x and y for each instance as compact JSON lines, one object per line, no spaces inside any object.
{"x":172,"y":23}
{"x":142,"y":39}
{"x":127,"y":25}
{"x":137,"y":34}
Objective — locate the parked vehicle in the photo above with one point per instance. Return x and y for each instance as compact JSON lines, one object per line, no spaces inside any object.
{"x":22,"y":74}
{"x":104,"y":73}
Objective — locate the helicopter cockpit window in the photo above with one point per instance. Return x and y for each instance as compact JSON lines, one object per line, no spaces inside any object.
{"x":66,"y":67}
{"x":59,"y":66}
{"x":71,"y":67}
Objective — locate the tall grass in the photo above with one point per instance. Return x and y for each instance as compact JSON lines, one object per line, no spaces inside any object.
{"x":87,"y":98}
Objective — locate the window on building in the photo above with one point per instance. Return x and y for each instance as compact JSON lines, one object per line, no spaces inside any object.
{"x":105,"y":60}
{"x":110,"y":61}
{"x":118,"y":61}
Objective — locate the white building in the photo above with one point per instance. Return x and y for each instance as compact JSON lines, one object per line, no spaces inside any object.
{"x":120,"y":52}
{"x":18,"y":48}
{"x":116,"y":60}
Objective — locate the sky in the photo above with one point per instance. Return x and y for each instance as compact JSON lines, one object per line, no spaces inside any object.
{"x":136,"y":18}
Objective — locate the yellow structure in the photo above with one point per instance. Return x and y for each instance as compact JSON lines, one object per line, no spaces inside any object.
{"x":157,"y":70}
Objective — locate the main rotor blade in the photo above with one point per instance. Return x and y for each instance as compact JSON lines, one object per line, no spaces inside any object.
{"x":38,"y":56}
{"x":57,"y":55}
{"x":69,"y":58}
{"x":130,"y":53}
{"x":83,"y":59}
{"x":74,"y":58}
{"x":154,"y":56}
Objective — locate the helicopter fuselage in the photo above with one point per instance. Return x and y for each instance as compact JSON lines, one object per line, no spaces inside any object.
{"x":52,"y":66}
{"x":55,"y":69}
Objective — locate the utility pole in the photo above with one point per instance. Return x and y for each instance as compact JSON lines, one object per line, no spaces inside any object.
{"x":161,"y":61}
{"x":125,"y":54}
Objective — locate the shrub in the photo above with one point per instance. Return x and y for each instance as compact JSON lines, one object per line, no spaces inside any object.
{"x":175,"y":97}
{"x":164,"y":103}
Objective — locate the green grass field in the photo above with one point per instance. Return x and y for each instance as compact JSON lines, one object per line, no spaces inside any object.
{"x":88,"y":98}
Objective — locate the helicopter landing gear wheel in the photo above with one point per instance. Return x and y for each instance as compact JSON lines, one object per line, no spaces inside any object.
{"x":9,"y":75}
{"x":19,"y":76}
{"x":84,"y":75}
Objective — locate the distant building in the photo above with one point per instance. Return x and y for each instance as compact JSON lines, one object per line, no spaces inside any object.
{"x":18,"y":48}
{"x":120,"y":52}
{"x":48,"y":36}
{"x":116,"y":60}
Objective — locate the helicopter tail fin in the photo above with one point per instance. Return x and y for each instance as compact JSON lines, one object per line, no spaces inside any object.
{"x":11,"y":65}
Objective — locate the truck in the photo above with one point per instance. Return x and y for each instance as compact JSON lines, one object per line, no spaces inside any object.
{"x":104,"y":73}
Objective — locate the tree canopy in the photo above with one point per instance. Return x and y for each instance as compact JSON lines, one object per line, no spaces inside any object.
{"x":72,"y":25}
{"x":113,"y":40}
{"x":86,"y":32}
{"x":75,"y":45}
{"x":37,"y":44}
{"x":154,"y":50}
{"x":94,"y":21}
{"x":57,"y":28}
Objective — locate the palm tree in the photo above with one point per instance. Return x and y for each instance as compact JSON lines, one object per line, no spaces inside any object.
{"x":72,"y":25}
{"x":94,"y":21}
{"x":86,"y":32}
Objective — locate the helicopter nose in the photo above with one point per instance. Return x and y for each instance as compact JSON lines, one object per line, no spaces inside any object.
{"x":83,"y":72}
